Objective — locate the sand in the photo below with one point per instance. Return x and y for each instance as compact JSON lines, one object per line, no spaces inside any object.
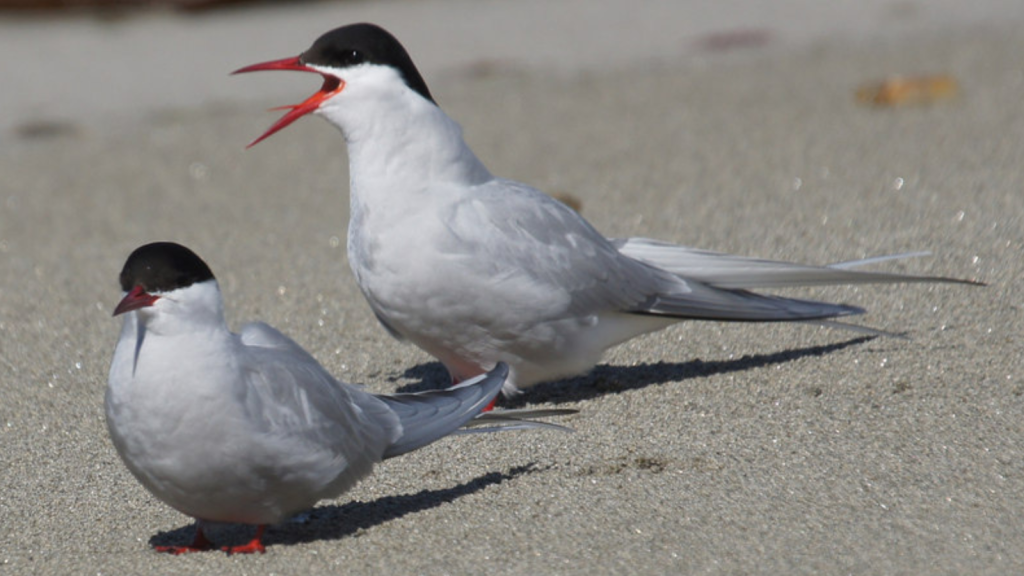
{"x":712,"y":448}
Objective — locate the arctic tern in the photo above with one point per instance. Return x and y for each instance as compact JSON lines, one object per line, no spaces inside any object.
{"x":249,"y":428}
{"x":476,"y":269}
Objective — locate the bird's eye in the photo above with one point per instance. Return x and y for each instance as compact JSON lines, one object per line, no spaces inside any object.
{"x":352,"y":57}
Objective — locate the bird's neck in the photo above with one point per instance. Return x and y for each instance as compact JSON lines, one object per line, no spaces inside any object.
{"x":408,"y":150}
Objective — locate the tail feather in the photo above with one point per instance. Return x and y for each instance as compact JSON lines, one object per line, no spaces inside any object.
{"x":432,"y":415}
{"x":738,"y":272}
{"x":877,"y":259}
{"x":521,"y":419}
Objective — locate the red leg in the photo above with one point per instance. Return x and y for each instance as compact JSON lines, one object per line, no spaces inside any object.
{"x":254,"y":545}
{"x":199,"y":544}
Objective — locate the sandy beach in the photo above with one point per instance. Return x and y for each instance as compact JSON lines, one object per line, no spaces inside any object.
{"x":705,"y":448}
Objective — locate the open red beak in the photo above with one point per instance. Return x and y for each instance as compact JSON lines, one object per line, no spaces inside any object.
{"x":135,"y":299}
{"x":332,"y":85}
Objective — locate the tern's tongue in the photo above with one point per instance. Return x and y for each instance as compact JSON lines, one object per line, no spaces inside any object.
{"x":331,"y":87}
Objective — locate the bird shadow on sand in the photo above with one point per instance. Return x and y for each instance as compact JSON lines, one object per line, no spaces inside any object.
{"x":606,"y":379}
{"x":336,"y":521}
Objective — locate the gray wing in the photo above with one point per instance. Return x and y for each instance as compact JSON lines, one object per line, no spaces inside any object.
{"x":531,"y":247}
{"x":324,"y":428}
{"x":434,"y":414}
{"x":539,"y":250}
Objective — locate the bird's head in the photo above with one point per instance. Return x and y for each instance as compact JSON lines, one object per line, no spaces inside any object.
{"x":355,"y":61}
{"x":166,"y":282}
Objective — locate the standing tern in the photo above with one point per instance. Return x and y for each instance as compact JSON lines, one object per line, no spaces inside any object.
{"x":249,"y":428}
{"x":476,"y":269}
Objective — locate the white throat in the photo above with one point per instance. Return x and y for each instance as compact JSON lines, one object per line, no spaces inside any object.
{"x":196,"y":308}
{"x":396,"y":138}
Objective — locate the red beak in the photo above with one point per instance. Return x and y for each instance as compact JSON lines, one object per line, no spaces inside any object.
{"x":135,"y":299}
{"x":332,"y":85}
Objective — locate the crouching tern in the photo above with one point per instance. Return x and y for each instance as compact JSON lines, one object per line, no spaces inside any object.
{"x":249,"y":428}
{"x":477,"y":270}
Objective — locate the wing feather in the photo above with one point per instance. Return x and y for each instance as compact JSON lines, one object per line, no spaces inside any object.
{"x":325,"y":428}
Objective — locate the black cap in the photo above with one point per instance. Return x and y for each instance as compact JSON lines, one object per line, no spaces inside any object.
{"x":162,"y":267}
{"x":365,"y":43}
